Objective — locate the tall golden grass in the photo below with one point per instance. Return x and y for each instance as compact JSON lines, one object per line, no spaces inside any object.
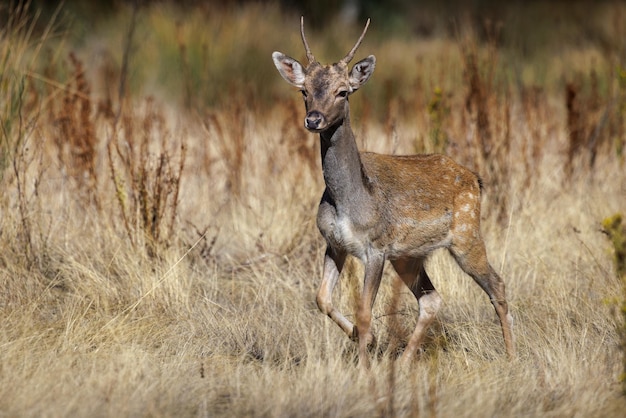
{"x":159,"y":254}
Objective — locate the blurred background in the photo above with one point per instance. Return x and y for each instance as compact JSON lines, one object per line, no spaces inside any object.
{"x":225,"y":44}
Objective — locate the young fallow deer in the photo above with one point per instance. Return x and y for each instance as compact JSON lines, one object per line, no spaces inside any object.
{"x":385,"y":207}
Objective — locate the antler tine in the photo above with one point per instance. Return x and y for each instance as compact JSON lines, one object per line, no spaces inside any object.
{"x":309,"y":54}
{"x":350,"y":55}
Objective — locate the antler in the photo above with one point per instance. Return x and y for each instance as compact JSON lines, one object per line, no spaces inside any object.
{"x":350,"y":55}
{"x":309,"y":54}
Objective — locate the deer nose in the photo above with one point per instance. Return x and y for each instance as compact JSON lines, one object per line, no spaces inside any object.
{"x":313,"y":120}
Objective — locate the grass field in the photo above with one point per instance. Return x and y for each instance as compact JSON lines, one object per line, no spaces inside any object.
{"x":158,"y":248}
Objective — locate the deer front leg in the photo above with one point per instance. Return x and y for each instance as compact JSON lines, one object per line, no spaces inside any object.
{"x":333,"y":263}
{"x":373,"y":273}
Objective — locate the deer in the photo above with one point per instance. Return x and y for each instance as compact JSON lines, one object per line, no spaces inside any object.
{"x":378,"y":207}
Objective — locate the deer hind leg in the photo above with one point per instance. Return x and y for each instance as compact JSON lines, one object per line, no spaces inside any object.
{"x":473,"y":260}
{"x":333,"y":264}
{"x":412,"y":273}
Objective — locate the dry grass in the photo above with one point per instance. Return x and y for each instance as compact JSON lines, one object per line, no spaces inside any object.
{"x":165,"y":262}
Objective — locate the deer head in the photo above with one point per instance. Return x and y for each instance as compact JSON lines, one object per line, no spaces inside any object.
{"x":325,"y":88}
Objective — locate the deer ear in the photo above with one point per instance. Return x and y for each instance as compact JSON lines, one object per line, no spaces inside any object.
{"x":291,"y":70}
{"x":362,"y":71}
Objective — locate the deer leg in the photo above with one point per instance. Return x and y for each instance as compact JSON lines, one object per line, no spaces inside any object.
{"x":474,"y":262}
{"x":373,"y":274}
{"x":412,"y":273}
{"x":333,"y":263}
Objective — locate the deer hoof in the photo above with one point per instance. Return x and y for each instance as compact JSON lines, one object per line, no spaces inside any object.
{"x":371,"y":343}
{"x":355,"y":334}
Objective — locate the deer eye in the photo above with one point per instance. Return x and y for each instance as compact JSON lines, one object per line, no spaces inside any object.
{"x":342,"y":93}
{"x":304,"y":94}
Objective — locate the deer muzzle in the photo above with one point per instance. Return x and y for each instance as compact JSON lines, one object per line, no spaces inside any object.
{"x":314,"y":120}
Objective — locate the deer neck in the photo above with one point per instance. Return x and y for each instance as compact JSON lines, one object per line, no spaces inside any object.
{"x":344,"y":173}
